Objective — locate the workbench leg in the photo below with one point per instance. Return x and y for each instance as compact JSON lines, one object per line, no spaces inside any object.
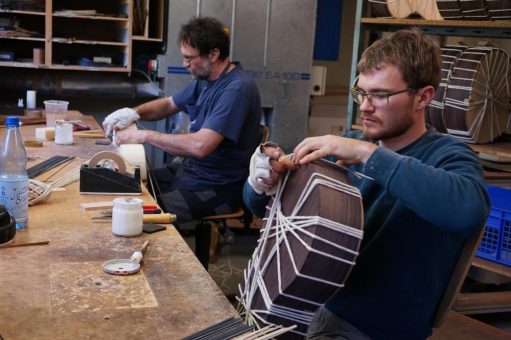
{"x":202,"y":242}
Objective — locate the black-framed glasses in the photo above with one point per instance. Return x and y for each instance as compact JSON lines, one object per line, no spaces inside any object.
{"x":189,"y":58}
{"x":377,"y":99}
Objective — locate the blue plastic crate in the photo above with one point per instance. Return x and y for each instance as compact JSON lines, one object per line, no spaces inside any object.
{"x":496,"y":242}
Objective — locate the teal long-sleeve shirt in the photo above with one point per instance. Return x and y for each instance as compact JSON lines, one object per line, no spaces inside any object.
{"x":425,"y":200}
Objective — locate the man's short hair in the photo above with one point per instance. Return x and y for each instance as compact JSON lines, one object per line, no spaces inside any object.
{"x":206,"y":34}
{"x":416,"y":55}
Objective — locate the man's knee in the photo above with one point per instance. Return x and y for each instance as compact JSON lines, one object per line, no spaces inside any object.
{"x":327,"y":325}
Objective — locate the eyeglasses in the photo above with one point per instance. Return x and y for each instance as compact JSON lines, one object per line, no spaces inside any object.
{"x":376,"y":99}
{"x":189,"y":58}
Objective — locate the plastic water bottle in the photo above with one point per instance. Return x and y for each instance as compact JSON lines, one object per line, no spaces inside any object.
{"x":13,"y":173}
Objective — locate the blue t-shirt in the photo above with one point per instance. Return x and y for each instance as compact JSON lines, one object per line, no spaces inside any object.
{"x":230,"y":106}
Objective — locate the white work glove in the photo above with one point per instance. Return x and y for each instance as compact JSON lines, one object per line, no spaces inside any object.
{"x":260,"y":169}
{"x":120,"y":119}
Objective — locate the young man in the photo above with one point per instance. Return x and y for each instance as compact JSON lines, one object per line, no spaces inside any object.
{"x":426,"y":195}
{"x":224,"y":108}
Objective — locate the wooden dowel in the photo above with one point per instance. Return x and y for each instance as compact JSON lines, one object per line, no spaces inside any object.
{"x":12,"y":245}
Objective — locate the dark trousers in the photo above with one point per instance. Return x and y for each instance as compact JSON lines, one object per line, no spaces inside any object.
{"x":193,"y":205}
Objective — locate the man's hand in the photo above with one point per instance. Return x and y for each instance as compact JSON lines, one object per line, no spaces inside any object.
{"x":347,"y":150}
{"x":119,"y":120}
{"x":266,"y":167}
{"x":130,"y":136}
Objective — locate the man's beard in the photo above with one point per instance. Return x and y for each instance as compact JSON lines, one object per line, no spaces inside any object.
{"x":202,"y":74}
{"x":394,"y":129}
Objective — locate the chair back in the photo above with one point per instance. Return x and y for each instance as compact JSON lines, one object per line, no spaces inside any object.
{"x":457,"y":278}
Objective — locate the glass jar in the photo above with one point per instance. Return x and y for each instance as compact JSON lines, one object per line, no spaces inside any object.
{"x":63,"y":132}
{"x":127,"y":217}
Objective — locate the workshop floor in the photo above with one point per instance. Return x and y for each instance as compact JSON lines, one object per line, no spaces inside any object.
{"x":226,"y":268}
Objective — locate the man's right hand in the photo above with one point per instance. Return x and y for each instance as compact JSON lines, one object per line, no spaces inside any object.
{"x":266,"y":167}
{"x":119,"y":120}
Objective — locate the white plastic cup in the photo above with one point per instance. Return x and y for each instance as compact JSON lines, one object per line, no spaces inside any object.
{"x":55,"y":110}
{"x":127,"y":217}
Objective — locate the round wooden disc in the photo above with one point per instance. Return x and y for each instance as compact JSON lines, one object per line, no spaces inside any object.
{"x":399,"y":8}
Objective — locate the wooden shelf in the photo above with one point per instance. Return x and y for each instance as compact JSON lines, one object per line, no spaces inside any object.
{"x":20,"y":64}
{"x":502,"y":24}
{"x":87,"y":42}
{"x":24,"y":38}
{"x":492,"y":29}
{"x":141,"y":38}
{"x":22,"y":12}
{"x":498,"y":149}
{"x":493,"y":267}
{"x":91,"y":17}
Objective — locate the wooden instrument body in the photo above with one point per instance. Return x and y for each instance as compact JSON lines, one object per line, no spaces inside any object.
{"x":449,"y":9}
{"x":499,"y":9}
{"x":474,"y":9}
{"x":405,"y":8}
{"x":301,"y":270}
{"x":435,"y":112}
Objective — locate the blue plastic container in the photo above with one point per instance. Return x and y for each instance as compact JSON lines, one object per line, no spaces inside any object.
{"x":496,"y":243}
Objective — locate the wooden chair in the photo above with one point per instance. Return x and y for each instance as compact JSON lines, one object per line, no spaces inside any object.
{"x":207,"y":230}
{"x":456,"y":281}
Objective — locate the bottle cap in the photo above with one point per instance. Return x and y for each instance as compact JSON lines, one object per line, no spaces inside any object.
{"x":12,"y":121}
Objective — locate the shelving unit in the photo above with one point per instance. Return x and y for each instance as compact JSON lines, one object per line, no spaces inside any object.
{"x":34,"y":23}
{"x":83,"y":31}
{"x":81,"y":35}
{"x":147,"y":26}
{"x":443,"y":28}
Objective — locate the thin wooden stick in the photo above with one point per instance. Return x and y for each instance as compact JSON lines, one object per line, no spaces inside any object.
{"x":12,"y":245}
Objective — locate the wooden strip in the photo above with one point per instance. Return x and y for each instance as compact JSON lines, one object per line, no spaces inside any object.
{"x":492,"y":266}
{"x":90,"y":134}
{"x":33,"y":143}
{"x":96,"y":206}
{"x":461,"y":327}
{"x":12,"y":245}
{"x":483,"y":302}
{"x":46,"y":165}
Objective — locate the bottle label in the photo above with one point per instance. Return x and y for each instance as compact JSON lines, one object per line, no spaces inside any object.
{"x":14,"y":197}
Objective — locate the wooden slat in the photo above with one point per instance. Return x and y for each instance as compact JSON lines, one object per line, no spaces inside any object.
{"x":492,"y":266}
{"x":461,"y":327}
{"x":488,"y":302}
{"x":457,"y":278}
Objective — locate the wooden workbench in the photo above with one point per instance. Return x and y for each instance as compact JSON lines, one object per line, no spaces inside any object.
{"x":59,"y":291}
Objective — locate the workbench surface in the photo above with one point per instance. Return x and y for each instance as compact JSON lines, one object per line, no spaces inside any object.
{"x":59,"y":290}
